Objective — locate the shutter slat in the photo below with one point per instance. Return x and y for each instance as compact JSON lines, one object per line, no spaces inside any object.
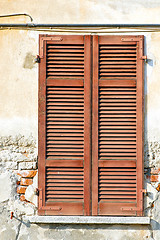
{"x":64,"y":46}
{"x":117,"y":62}
{"x":120,"y":142}
{"x":66,"y":142}
{"x":113,"y":170}
{"x":111,"y":124}
{"x":117,"y":146}
{"x":117,"y":120}
{"x":74,"y":111}
{"x":62,"y":67}
{"x":69,"y":119}
{"x":69,"y":63}
{"x":117,"y":47}
{"x":64,"y":58}
{"x":63,"y":138}
{"x":117,"y":51}
{"x":67,"y":50}
{"x":65,"y":91}
{"x":65,"y":70}
{"x":65,"y":127}
{"x":108,"y":104}
{"x":66,"y":74}
{"x":117,"y":67}
{"x":107,"y":177}
{"x":120,"y":101}
{"x":52,"y":97}
{"x":54,"y":181}
{"x":118,"y":186}
{"x":64,"y":176}
{"x":65,"y":169}
{"x":63,"y":115}
{"x":60,"y":145}
{"x":116,"y":182}
{"x":64,"y":188}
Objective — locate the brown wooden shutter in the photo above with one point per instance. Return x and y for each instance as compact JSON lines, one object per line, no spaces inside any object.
{"x":64,"y":125}
{"x":117,"y":131}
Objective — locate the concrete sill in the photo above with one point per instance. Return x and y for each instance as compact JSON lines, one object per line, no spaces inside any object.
{"x":87,"y":220}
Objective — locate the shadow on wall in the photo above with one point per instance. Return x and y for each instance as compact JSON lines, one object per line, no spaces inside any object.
{"x":146,"y":148}
{"x":150,"y":63}
{"x":155,"y":209}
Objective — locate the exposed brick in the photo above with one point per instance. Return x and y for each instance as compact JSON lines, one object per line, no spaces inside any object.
{"x":27,"y":165}
{"x":11,"y":165}
{"x":148,"y":176}
{"x":22,"y":197}
{"x":154,"y":178}
{"x":158,"y":188}
{"x":26,"y":181}
{"x":25,"y":154}
{"x":154,"y":171}
{"x":27,"y":173}
{"x":21,"y":189}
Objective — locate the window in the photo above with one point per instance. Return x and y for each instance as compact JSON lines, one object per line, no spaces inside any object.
{"x":90,"y":156}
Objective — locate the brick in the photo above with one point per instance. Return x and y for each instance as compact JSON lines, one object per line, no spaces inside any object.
{"x":21,"y":189}
{"x":154,"y":171}
{"x":22,"y":197}
{"x":154,"y":178}
{"x":25,"y":154}
{"x":27,"y":165}
{"x":158,"y":188}
{"x":11,"y":165}
{"x":27,"y":173}
{"x":26,"y":181}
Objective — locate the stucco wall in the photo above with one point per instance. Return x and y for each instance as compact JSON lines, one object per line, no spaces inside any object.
{"x":88,"y":11}
{"x":19,"y":112}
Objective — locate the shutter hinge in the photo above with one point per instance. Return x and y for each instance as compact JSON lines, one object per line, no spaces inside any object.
{"x":37,"y":192}
{"x":12,"y":215}
{"x":40,"y":198}
{"x":144,"y":58}
{"x":144,"y":191}
{"x":47,"y":38}
{"x":37,"y":59}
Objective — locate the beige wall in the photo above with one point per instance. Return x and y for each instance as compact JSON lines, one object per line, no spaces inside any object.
{"x":86,"y":11}
{"x":19,"y":108}
{"x":19,"y":83}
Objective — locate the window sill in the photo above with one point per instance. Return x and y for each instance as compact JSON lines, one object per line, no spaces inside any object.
{"x":87,"y":220}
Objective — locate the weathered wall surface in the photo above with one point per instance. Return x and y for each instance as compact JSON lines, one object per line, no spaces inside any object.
{"x":19,"y":114}
{"x":88,"y":11}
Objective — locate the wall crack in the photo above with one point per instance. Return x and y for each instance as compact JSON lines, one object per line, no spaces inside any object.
{"x":18,"y":231}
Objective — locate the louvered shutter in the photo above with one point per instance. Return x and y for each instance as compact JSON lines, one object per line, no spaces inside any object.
{"x":117,"y":178}
{"x":64,"y":125}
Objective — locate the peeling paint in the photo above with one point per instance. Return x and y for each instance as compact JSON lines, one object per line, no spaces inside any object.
{"x":19,"y":113}
{"x":29,"y":61}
